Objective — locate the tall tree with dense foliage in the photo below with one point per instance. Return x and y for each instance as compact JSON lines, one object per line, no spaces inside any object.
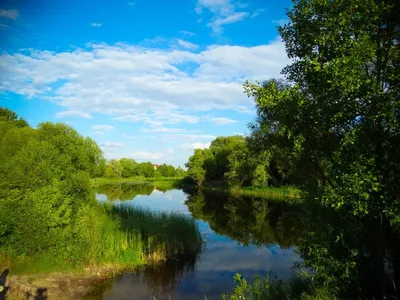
{"x":146,"y":169}
{"x":46,"y":203}
{"x":221,"y":147}
{"x":337,"y":120}
{"x":195,"y":170}
{"x":339,"y":117}
{"x":113,"y":169}
{"x":166,"y":170}
{"x":129,"y":167}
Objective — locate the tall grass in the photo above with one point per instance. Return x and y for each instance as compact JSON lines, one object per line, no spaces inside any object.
{"x":270,"y":192}
{"x":132,"y":236}
{"x":273,"y":192}
{"x":127,"y":236}
{"x":155,"y":234}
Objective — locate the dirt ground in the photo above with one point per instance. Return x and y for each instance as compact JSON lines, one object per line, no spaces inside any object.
{"x":60,"y":286}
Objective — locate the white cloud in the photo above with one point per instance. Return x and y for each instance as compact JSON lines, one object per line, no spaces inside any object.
{"x":169,"y":151}
{"x":98,"y":132}
{"x":73,"y":113}
{"x":187,"y":33}
{"x":133,"y":83}
{"x":217,"y":24}
{"x":96,"y":24}
{"x":186,"y":137}
{"x":146,"y":155}
{"x":103,"y":127}
{"x":112,"y":144}
{"x":257,"y":12}
{"x":223,"y":12}
{"x":222,"y":7}
{"x":159,"y":118}
{"x":9,"y":13}
{"x":223,"y":121}
{"x":187,"y":45}
{"x":165,"y":130}
{"x":195,"y":146}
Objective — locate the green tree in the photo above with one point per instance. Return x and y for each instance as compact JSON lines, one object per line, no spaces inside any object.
{"x":180,"y":172}
{"x":166,"y":170}
{"x":113,"y":169}
{"x":339,"y":117}
{"x":146,"y":169}
{"x":8,"y":121}
{"x":82,"y":153}
{"x":195,"y":167}
{"x":9,"y":116}
{"x":221,"y":147}
{"x":129,"y":167}
{"x":209,"y":164}
{"x":337,"y":120}
{"x":45,"y":192}
{"x":260,"y":176}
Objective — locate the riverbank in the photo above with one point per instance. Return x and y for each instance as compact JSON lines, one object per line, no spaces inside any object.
{"x":129,"y":237}
{"x":270,"y":192}
{"x":63,"y":286}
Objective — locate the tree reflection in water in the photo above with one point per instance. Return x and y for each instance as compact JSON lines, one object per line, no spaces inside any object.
{"x":355,"y":257}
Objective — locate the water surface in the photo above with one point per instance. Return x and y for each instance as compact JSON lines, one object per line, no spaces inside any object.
{"x":242,"y":235}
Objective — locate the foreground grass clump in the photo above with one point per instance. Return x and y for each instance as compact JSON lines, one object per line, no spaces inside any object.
{"x":143,"y":234}
{"x":270,"y":288}
{"x":124,"y":236}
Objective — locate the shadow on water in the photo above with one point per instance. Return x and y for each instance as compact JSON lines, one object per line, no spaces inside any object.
{"x":358,"y":257}
{"x":249,"y":221}
{"x":161,"y":279}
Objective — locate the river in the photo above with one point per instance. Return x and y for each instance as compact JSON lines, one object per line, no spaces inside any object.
{"x":241,"y":235}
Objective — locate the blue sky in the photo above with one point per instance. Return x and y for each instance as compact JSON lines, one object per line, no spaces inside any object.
{"x":146,"y":79}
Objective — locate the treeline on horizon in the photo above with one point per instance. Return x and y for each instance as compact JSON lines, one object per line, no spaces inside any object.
{"x":234,"y":159}
{"x":128,"y":167}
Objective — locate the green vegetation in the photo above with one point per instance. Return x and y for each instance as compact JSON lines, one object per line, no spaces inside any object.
{"x":129,"y":168}
{"x":49,"y":213}
{"x":284,"y":192}
{"x":250,"y":221}
{"x":271,"y":288}
{"x":330,"y":127}
{"x":234,"y":160}
{"x":137,"y":179}
{"x":333,"y":125}
{"x":165,"y":234}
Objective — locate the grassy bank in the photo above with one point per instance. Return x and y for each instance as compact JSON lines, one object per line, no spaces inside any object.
{"x":144,"y":235}
{"x":127,"y":236}
{"x":124,"y":238}
{"x":270,"y":192}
